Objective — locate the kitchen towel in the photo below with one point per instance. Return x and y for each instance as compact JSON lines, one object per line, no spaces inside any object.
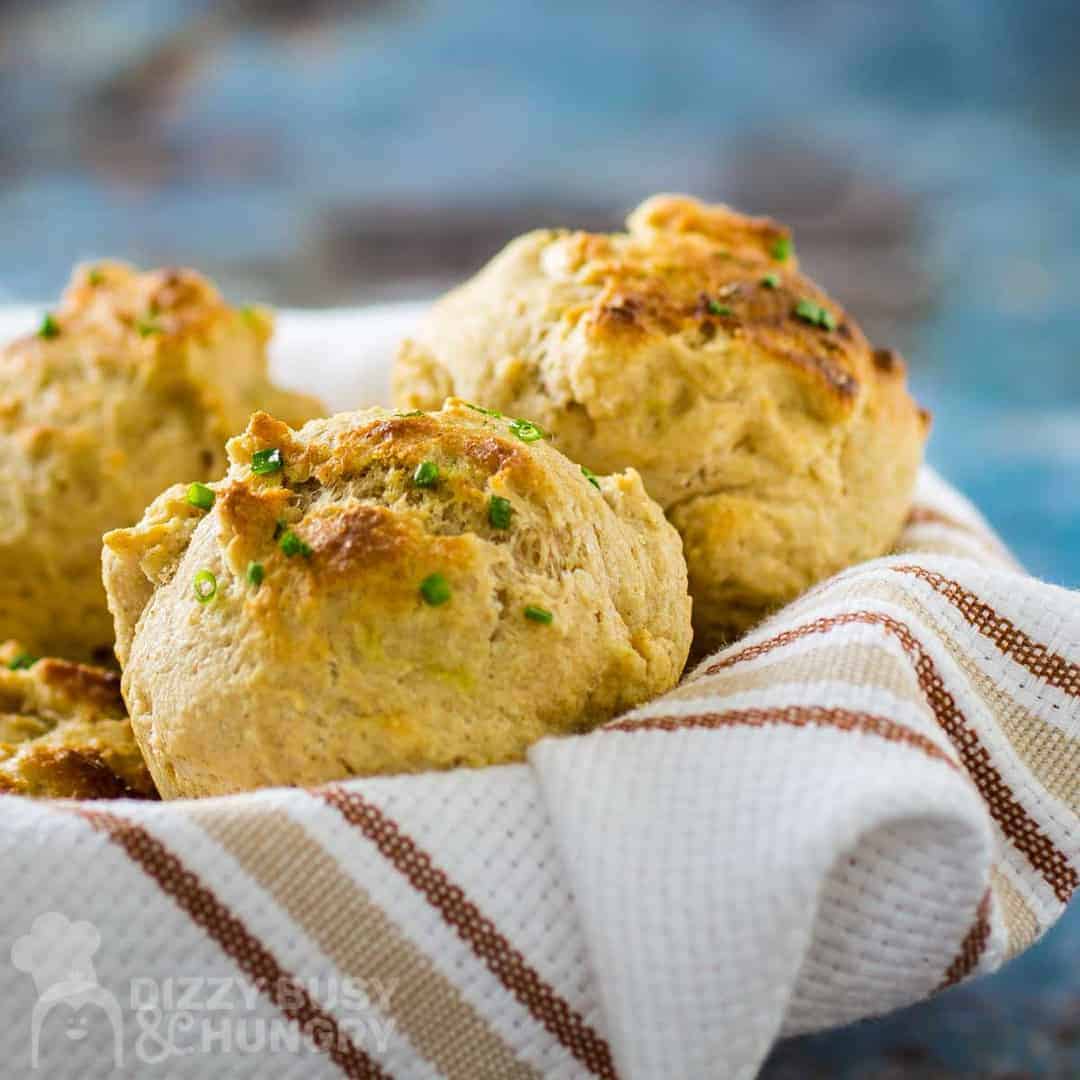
{"x":870,"y":798}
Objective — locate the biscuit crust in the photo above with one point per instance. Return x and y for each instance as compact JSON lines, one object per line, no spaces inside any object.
{"x":135,"y":382}
{"x":64,"y":732}
{"x":432,"y":590}
{"x":780,"y":443}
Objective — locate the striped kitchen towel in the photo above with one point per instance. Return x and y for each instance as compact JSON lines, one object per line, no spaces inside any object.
{"x":871,"y":797}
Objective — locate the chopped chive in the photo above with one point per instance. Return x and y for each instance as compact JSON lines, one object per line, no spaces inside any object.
{"x":781,"y":249}
{"x":201,"y":496}
{"x":147,"y":326}
{"x":292,"y":545}
{"x":250,"y":315}
{"x":813,"y":313}
{"x":500,"y":511}
{"x":526,"y":430}
{"x":590,"y":476}
{"x":719,"y":309}
{"x":205,"y":586}
{"x":22,"y":662}
{"x":435,"y":589}
{"x":538,"y":614}
{"x":486,"y":412}
{"x":406,"y":415}
{"x":96,"y":276}
{"x":264,"y":462}
{"x":255,"y":574}
{"x":771,"y":281}
{"x":49,"y":328}
{"x":426,"y":475}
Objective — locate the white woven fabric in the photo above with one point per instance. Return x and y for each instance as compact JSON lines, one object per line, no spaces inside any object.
{"x":872,"y":796}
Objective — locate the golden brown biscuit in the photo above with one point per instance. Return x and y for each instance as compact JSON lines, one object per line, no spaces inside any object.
{"x":133,"y":383}
{"x":64,"y":732}
{"x":780,"y":443}
{"x":401,"y":592}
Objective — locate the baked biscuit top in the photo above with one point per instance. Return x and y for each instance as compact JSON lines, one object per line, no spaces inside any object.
{"x":384,"y":592}
{"x":64,"y":731}
{"x":384,"y":502}
{"x":167,"y":330}
{"x":712,"y":277}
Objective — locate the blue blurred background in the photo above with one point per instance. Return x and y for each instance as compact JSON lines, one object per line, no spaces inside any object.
{"x":316,"y":152}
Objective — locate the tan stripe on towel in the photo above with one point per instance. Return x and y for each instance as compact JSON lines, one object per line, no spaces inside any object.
{"x":235,"y":940}
{"x":362,"y":941}
{"x":477,"y":930}
{"x":854,"y":662}
{"x":1021,"y":922}
{"x":1051,"y":756}
{"x":1053,"y":668}
{"x":1019,"y":827}
{"x":930,"y":515}
{"x":964,"y":546}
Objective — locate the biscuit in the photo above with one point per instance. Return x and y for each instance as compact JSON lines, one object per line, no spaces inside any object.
{"x":64,"y":732}
{"x":133,"y":383}
{"x":386,"y":593}
{"x":780,"y":443}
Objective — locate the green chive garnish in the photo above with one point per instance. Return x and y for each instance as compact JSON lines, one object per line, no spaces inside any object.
{"x":486,"y":412}
{"x":813,"y":313}
{"x":406,"y":415}
{"x":205,"y":586}
{"x":50,"y":328}
{"x":538,"y":614}
{"x":771,"y":281}
{"x":435,"y":589}
{"x":719,"y":309}
{"x":526,"y":430}
{"x":255,"y":574}
{"x":201,"y":496}
{"x":499,"y":512}
{"x":292,"y":545}
{"x":147,"y":326}
{"x":21,"y":662}
{"x":96,"y":276}
{"x":426,"y":475}
{"x":264,"y":462}
{"x":781,"y":249}
{"x":590,"y":476}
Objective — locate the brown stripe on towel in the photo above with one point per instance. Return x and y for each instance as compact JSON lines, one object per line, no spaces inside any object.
{"x":477,"y":930}
{"x":972,"y":947}
{"x":1053,"y":668}
{"x":792,"y":716}
{"x":362,"y":941}
{"x":1019,"y":827}
{"x":235,"y":940}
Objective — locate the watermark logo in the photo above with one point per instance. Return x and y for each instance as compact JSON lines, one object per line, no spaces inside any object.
{"x":58,"y":955}
{"x":186,"y":1016}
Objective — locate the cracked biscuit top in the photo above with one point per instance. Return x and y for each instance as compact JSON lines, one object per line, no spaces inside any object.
{"x":64,"y":732}
{"x":383,"y":592}
{"x":133,"y":382}
{"x":692,"y":348}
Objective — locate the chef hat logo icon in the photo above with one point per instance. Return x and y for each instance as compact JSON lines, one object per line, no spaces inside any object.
{"x":58,"y":954}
